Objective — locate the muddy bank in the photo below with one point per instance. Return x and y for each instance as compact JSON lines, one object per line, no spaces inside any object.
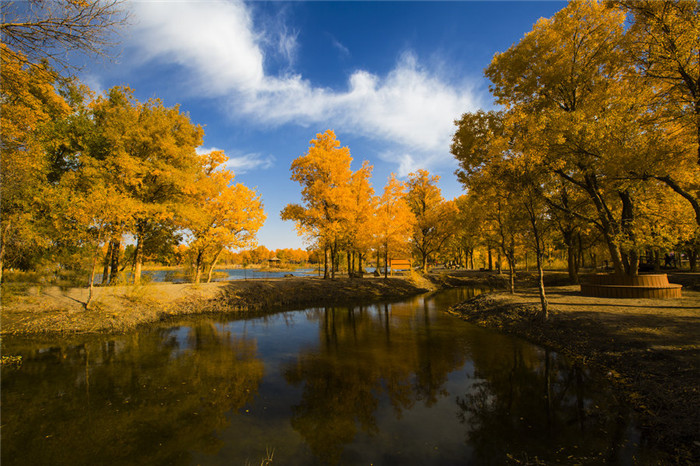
{"x":41,"y":310}
{"x":649,"y":349}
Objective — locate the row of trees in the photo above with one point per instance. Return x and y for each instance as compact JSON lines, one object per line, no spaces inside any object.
{"x":599,"y":132}
{"x":79,"y":172}
{"x":340,"y":211}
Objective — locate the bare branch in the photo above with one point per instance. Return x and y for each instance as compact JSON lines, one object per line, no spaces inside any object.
{"x":50,"y":30}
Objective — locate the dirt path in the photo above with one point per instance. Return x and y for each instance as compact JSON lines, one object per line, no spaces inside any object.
{"x":650,"y":350}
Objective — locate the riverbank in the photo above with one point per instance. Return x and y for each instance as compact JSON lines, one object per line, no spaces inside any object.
{"x":43,"y":310}
{"x":649,"y":349}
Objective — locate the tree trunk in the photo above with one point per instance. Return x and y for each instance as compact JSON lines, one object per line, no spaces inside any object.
{"x":198,"y":267}
{"x":490,"y":260}
{"x":540,"y":286}
{"x":213,"y":264}
{"x":325,"y":261}
{"x":137,"y":262}
{"x":114,"y":262}
{"x":386,"y":260}
{"x":630,"y":259}
{"x":349,"y":254}
{"x":511,"y":273}
{"x":105,"y":265}
{"x":425,"y":262}
{"x":92,"y":274}
{"x":569,"y":241}
{"x":693,"y":259}
{"x":3,"y":242}
{"x":334,"y":259}
{"x":360,"y":270}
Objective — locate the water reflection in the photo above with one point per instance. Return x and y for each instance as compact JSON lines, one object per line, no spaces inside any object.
{"x":143,"y":399}
{"x":398,"y":383}
{"x":528,"y":404}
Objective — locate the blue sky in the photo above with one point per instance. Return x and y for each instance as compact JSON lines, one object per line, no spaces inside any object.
{"x":263,"y":78}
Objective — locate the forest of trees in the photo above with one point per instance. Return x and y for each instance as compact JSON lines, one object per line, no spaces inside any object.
{"x":340,"y":211}
{"x":80,"y":172}
{"x":592,"y":156}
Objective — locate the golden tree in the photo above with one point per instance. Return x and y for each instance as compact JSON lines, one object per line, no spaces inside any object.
{"x":394,"y":220}
{"x":434,"y":217}
{"x":326,"y":179}
{"x":221,"y":215}
{"x":567,"y":94}
{"x":150,"y":150}
{"x":30,"y":104}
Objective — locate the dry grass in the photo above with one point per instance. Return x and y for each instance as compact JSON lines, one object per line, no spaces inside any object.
{"x":118,"y":309}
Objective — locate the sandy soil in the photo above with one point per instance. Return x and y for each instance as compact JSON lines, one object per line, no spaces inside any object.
{"x":650,"y":350}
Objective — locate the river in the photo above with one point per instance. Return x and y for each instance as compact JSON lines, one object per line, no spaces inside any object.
{"x":400,"y":383}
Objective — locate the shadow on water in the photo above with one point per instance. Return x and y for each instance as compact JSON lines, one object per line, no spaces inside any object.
{"x":399,"y":383}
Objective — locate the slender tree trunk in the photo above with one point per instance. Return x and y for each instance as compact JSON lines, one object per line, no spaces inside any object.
{"x":490,"y":259}
{"x":511,"y":273}
{"x":334,"y":259}
{"x":425,"y":261}
{"x":198,"y":267}
{"x":386,"y":260}
{"x":114,"y":262}
{"x":693,"y":259}
{"x":349,"y":254}
{"x":360,"y":270}
{"x":213,"y":264}
{"x":105,"y":263}
{"x":325,"y":261}
{"x":631,"y":256}
{"x":569,"y":241}
{"x":540,"y":287}
{"x":95,"y":255}
{"x":137,"y":262}
{"x":3,"y":242}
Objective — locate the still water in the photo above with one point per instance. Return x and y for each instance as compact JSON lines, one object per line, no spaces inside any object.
{"x":400,"y":383}
{"x":226,"y":274}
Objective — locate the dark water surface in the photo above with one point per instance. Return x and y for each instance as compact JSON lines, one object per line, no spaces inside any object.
{"x":402,"y":383}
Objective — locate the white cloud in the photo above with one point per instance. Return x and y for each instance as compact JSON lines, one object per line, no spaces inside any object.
{"x":411,"y":106}
{"x":242,"y":163}
{"x":248,"y":162}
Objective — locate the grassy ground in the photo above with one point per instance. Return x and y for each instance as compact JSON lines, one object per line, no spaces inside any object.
{"x":32,"y":310}
{"x":649,"y":349}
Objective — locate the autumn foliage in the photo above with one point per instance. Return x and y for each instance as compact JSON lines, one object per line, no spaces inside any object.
{"x":81,"y":174}
{"x":598,"y":138}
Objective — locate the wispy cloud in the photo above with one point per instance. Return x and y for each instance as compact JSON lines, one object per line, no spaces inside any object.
{"x":249,"y":162}
{"x":411,"y":107}
{"x":344,"y":51}
{"x":240,"y":163}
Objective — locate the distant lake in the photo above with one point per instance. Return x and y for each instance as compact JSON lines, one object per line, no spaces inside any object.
{"x":175,"y":276}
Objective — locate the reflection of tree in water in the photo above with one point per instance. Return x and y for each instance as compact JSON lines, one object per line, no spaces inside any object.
{"x":140,"y":399}
{"x":528,"y":404}
{"x":365,"y":354}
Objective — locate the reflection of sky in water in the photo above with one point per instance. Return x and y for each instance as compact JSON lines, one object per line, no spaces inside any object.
{"x":402,"y":383}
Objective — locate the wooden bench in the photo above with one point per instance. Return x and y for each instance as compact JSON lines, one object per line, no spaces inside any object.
{"x":399,"y":265}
